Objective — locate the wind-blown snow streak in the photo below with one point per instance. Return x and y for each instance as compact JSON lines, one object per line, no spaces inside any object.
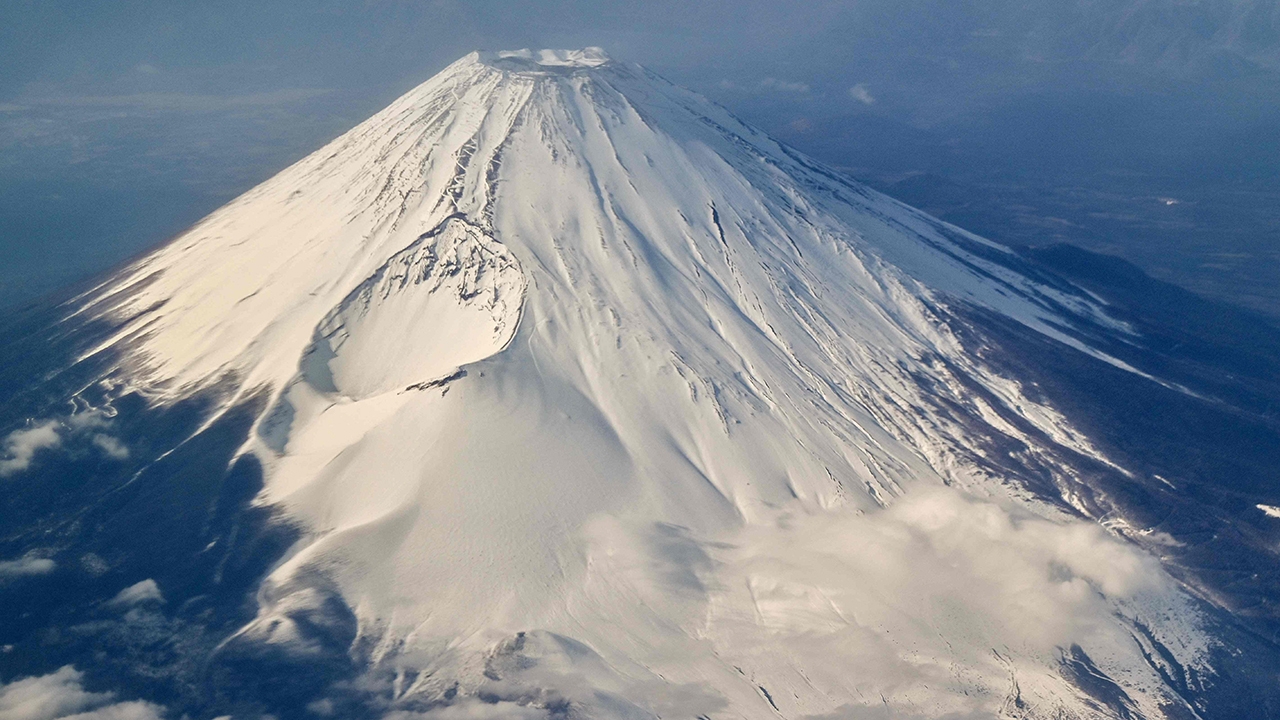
{"x":586,"y":390}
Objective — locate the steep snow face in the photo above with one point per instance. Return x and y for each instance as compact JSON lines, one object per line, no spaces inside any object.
{"x":587,"y":392}
{"x":449,"y":299}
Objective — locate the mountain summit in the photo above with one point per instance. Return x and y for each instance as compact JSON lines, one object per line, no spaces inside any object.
{"x":580,"y":397}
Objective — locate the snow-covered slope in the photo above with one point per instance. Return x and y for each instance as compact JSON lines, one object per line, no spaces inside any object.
{"x":589,"y":396}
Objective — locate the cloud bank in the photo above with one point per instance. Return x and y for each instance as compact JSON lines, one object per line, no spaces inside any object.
{"x":933,"y":603}
{"x":60,"y":695}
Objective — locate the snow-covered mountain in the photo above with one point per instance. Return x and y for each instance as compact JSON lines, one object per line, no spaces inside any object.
{"x":579,"y":397}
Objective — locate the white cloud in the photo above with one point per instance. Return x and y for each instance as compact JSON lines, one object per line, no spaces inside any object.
{"x":60,"y":695}
{"x":910,"y":600}
{"x":860,"y":93}
{"x":89,"y":419}
{"x":931,"y":603}
{"x":767,"y":85}
{"x":26,"y":566}
{"x":22,"y":445}
{"x":111,"y":446}
{"x":777,"y":85}
{"x":1026,"y":580}
{"x":145,"y":591}
{"x":900,"y":597}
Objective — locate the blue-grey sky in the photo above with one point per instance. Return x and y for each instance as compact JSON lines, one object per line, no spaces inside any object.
{"x":121,"y":122}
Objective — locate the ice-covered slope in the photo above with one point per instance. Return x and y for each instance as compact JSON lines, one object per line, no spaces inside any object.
{"x":589,"y":396}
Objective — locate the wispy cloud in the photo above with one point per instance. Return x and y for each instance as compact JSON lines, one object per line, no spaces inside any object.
{"x":22,"y":446}
{"x":860,"y":93}
{"x":110,"y":446}
{"x":28,"y":565}
{"x":785,"y":86}
{"x":766,"y":86}
{"x":60,"y":695}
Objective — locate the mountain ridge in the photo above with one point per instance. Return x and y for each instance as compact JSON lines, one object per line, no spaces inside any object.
{"x":580,"y":396}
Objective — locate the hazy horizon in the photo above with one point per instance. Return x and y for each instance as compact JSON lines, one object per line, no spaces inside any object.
{"x":922,"y":362}
{"x":123,"y":123}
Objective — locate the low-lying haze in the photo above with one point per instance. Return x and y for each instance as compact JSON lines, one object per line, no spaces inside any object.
{"x":122,"y":123}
